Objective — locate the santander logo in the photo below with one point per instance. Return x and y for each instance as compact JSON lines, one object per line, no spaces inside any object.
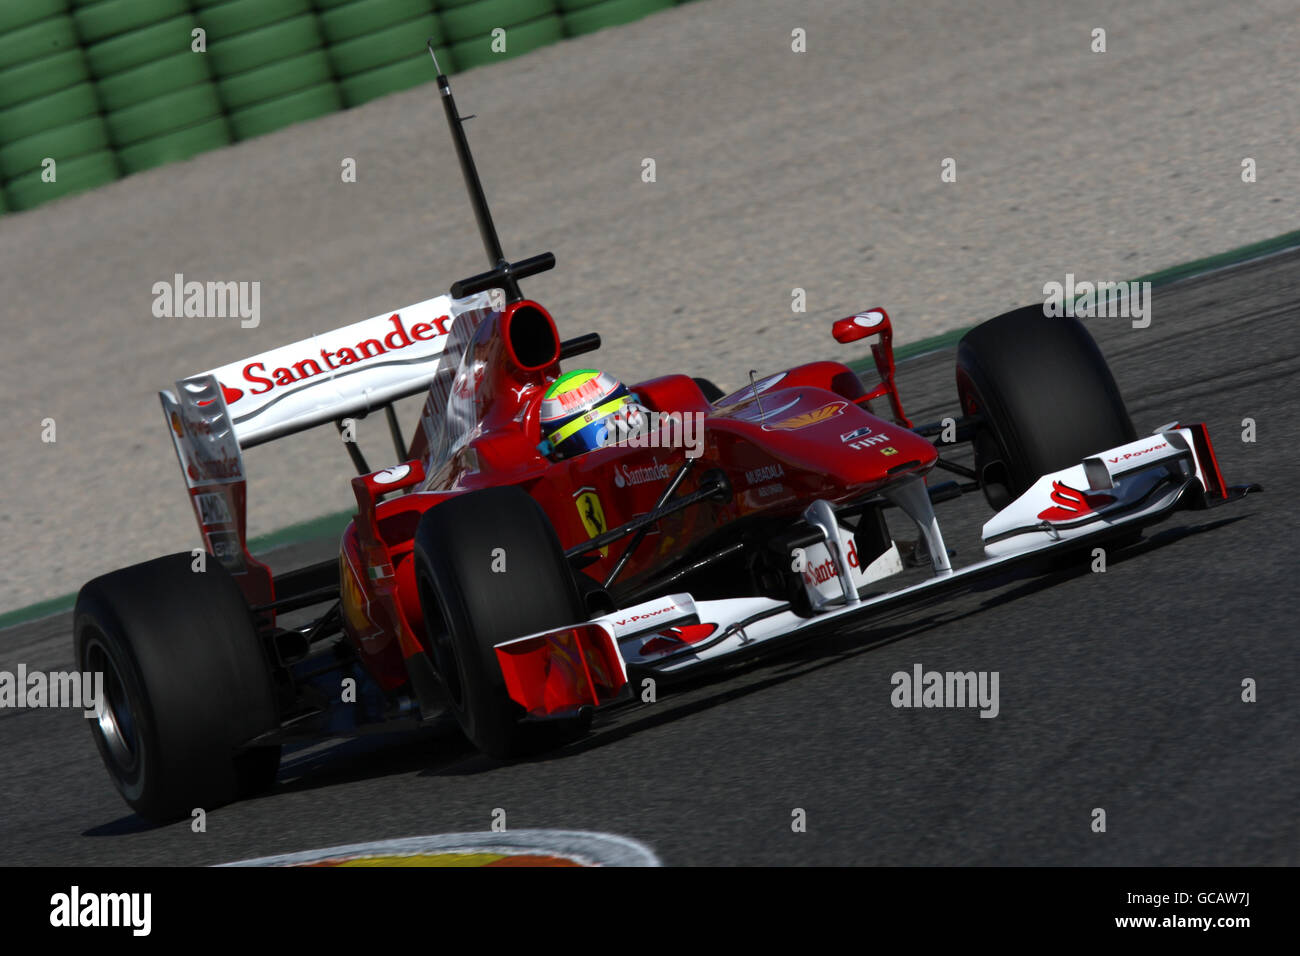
{"x":390,"y":475}
{"x":231,"y":395}
{"x":259,"y":380}
{"x":624,"y":476}
{"x":1070,"y":503}
{"x":827,"y":570}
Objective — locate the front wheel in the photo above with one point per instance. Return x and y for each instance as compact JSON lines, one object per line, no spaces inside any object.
{"x":1045,"y":395}
{"x":489,"y":568}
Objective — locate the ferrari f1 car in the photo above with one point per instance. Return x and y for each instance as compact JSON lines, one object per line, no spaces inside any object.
{"x":522,"y":593}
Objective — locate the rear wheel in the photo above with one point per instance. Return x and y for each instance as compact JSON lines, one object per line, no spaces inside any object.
{"x":186,"y":685}
{"x":1046,"y":396}
{"x":489,"y":568}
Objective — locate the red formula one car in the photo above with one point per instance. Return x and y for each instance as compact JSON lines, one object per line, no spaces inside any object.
{"x":510,"y":574}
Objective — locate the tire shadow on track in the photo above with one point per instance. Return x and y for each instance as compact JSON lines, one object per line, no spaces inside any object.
{"x":367,"y":757}
{"x":128,"y":825}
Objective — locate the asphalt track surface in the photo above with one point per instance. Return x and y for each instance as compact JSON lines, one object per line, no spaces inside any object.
{"x":775,"y":170}
{"x":1119,"y":691}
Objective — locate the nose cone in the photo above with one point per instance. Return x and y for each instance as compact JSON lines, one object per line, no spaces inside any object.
{"x":872,"y":450}
{"x":819,"y":432}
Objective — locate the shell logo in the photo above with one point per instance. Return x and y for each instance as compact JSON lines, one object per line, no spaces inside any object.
{"x":353,"y":601}
{"x":805,"y":419}
{"x":1069,"y":503}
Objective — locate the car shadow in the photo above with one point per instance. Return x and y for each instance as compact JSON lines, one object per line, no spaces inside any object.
{"x":375,"y":755}
{"x":125,"y":826}
{"x":349,"y":760}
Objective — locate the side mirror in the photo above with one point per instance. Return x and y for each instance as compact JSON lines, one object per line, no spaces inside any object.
{"x":875,"y":322}
{"x":860,"y":326}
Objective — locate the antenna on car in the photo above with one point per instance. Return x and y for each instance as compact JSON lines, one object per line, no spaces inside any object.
{"x":503,"y":274}
{"x":754,"y":385}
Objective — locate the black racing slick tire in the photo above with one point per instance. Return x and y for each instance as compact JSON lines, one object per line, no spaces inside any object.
{"x":186,"y":686}
{"x":1045,"y":396}
{"x":489,"y":568}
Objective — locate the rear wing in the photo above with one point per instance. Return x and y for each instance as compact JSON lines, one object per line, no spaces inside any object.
{"x":350,"y":371}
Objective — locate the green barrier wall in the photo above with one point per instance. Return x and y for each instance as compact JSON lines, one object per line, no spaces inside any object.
{"x":93,"y":90}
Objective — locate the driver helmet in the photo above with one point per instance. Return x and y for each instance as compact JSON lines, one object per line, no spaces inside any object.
{"x":584,"y":410}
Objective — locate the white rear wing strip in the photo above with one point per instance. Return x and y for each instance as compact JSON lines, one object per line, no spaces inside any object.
{"x":348,"y":371}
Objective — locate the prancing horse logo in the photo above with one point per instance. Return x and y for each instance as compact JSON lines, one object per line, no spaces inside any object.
{"x":592,"y":515}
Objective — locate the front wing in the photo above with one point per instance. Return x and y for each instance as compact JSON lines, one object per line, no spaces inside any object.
{"x":559,"y":673}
